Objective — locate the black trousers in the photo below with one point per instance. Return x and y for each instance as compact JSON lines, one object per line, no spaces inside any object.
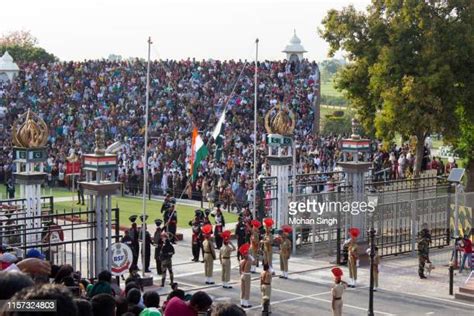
{"x":196,"y":249}
{"x":158,"y":261}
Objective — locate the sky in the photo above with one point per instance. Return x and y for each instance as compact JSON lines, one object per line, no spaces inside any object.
{"x":225,"y":29}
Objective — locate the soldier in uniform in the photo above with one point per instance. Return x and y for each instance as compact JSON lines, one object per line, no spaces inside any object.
{"x":337,"y":291}
{"x":245,"y":279}
{"x":157,"y":242}
{"x":267,"y":244}
{"x":424,"y":239}
{"x":285,"y":251}
{"x":196,"y":237}
{"x":241,"y":232}
{"x":166,"y":254}
{"x":353,"y":256}
{"x":133,"y":232}
{"x":126,"y":239}
{"x":209,"y":253}
{"x":224,"y":257}
{"x":171,"y":220}
{"x":255,"y":242}
{"x":147,"y":244}
{"x":266,"y":288}
{"x":218,"y":227}
{"x":166,"y":203}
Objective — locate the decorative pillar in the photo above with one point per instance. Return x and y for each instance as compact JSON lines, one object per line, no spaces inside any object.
{"x":280,"y":123}
{"x":29,"y":136}
{"x":100,"y":185}
{"x":355,"y":171}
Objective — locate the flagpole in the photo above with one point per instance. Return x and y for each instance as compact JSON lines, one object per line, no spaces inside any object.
{"x":145,"y":156}
{"x":255,"y":133}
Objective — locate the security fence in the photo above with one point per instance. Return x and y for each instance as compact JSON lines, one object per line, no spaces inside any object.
{"x":66,"y":236}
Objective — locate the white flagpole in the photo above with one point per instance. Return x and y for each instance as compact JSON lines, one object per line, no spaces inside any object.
{"x":255,"y":134}
{"x":145,"y":156}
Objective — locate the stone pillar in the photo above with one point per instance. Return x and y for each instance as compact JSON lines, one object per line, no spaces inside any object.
{"x":30,"y":182}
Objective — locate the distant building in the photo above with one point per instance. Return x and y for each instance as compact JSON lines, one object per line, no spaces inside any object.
{"x":113,"y":57}
{"x":8,"y":68}
{"x":294,"y":50}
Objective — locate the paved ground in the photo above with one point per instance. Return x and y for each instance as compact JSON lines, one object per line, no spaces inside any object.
{"x":307,"y":292}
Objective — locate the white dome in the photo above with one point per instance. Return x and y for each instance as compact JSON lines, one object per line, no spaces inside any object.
{"x":294,"y":46}
{"x":7,"y":64}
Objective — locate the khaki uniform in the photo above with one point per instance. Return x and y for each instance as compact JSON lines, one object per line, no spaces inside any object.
{"x":266,"y":289}
{"x":255,"y":242}
{"x":336,"y":297}
{"x":245,"y":279}
{"x":352,"y":260}
{"x":285,"y":251}
{"x":376,"y":270}
{"x":209,"y":256}
{"x":224,"y":256}
{"x":267,"y":249}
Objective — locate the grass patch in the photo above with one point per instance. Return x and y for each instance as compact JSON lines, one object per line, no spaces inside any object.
{"x":327,"y":88}
{"x":129,"y":206}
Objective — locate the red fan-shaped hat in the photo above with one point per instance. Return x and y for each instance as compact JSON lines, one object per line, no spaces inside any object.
{"x":256,"y":223}
{"x":337,"y":272}
{"x":286,"y":229}
{"x":244,"y":249}
{"x":226,"y":234}
{"x":354,"y":232}
{"x":207,"y":229}
{"x":268,"y":222}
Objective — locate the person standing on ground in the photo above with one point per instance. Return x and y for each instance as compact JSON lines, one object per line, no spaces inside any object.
{"x":209,"y":253}
{"x":255,"y":241}
{"x":224,"y":257}
{"x":218,"y":227}
{"x":466,"y":246}
{"x":375,"y":266}
{"x":147,"y":245}
{"x":245,"y":279}
{"x":424,"y":240}
{"x":267,"y":244}
{"x":337,"y":291}
{"x":171,"y":220}
{"x":166,"y":254}
{"x":285,"y":250}
{"x":241,"y":233}
{"x":133,"y":232}
{"x":353,"y":256}
{"x":158,"y":243}
{"x":196,"y":237}
{"x":266,"y":289}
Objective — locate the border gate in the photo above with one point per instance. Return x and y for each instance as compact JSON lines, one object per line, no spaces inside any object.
{"x":64,"y":235}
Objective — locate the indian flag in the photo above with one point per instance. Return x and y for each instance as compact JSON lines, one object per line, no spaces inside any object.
{"x":198,"y":153}
{"x":218,"y":135}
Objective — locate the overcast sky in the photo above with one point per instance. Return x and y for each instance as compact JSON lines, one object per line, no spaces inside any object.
{"x":219,"y":29}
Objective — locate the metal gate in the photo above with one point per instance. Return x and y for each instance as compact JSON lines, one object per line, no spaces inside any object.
{"x":64,"y":233}
{"x":397,"y":224}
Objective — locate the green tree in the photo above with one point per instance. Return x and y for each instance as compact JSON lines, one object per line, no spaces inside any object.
{"x":22,"y":46}
{"x":400,"y":75}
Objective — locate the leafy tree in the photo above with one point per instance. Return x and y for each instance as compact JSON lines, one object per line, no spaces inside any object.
{"x":22,"y":46}
{"x":329,"y":68}
{"x":402,"y":72}
{"x":337,"y":125}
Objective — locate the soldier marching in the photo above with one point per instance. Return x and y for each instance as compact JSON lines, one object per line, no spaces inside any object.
{"x":224,"y":257}
{"x":353,"y":258}
{"x":209,"y":253}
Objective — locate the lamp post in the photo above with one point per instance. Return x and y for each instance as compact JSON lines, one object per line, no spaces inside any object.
{"x":373,"y":199}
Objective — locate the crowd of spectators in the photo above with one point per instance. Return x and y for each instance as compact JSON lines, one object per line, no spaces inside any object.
{"x":76,"y":98}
